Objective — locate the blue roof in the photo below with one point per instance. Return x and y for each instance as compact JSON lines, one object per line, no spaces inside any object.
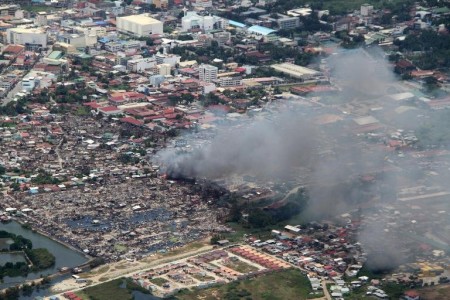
{"x":101,"y":23}
{"x":261,"y":30}
{"x":236,"y":24}
{"x":104,"y":40}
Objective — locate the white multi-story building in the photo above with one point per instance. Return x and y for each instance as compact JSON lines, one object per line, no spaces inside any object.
{"x":164,"y":69}
{"x":170,"y":59}
{"x":139,"y":25}
{"x":366,"y":9}
{"x":207,"y":73}
{"x":141,"y":64}
{"x":31,"y":38}
{"x":192,"y":21}
{"x":41,"y":19}
{"x":231,"y":81}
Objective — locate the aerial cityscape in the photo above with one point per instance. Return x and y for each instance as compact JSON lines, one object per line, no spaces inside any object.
{"x":224,"y":149}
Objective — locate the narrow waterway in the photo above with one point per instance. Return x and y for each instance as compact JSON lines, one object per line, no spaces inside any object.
{"x":64,"y":256}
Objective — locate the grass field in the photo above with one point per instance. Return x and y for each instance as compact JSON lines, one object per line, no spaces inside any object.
{"x":119,"y":289}
{"x":285,"y":285}
{"x":158,"y":281}
{"x":202,"y":278}
{"x":240,"y":266}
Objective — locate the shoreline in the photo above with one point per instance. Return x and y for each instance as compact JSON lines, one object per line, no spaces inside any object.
{"x":67,"y":245}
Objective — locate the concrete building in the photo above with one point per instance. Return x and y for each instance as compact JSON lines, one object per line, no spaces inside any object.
{"x":260,"y":32}
{"x":283,"y":21}
{"x":164,"y":69}
{"x":77,"y":40}
{"x":192,"y":22}
{"x":161,"y":3}
{"x":8,"y":10}
{"x":299,"y":72}
{"x":207,"y":73}
{"x":41,"y":19}
{"x":31,"y":38}
{"x":170,"y":59}
{"x":231,"y":81}
{"x":141,"y":64}
{"x":222,"y":37}
{"x":139,"y":25}
{"x":366,"y":10}
{"x":156,"y":80}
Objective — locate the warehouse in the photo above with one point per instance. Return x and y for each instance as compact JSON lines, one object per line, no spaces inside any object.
{"x":139,"y":25}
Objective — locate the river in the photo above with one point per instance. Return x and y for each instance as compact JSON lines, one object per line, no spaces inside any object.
{"x":64,"y":256}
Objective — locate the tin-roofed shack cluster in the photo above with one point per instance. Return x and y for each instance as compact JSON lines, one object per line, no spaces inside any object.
{"x":84,"y":182}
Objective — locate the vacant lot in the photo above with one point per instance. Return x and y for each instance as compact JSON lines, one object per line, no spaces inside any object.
{"x":435,"y":293}
{"x":119,"y":289}
{"x":284,"y":285}
{"x":240,"y":266}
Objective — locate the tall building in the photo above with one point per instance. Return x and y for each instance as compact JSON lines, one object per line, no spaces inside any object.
{"x":31,"y":38}
{"x":207,"y":73}
{"x":193,"y":21}
{"x":366,"y":9}
{"x":139,"y":25}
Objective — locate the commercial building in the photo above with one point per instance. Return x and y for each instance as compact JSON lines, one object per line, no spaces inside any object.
{"x":207,"y":73}
{"x":298,"y":71}
{"x":31,"y":38}
{"x":164,"y":69}
{"x":366,"y":9}
{"x":283,"y":21}
{"x":231,"y":81}
{"x":141,"y":64}
{"x":258,"y":32}
{"x":139,"y":25}
{"x":194,"y":22}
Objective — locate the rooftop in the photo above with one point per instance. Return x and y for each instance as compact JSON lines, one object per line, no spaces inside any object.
{"x":142,"y":19}
{"x":261,"y":30}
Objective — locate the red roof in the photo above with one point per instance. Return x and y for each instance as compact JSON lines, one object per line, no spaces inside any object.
{"x":412,"y":294}
{"x":109,"y":108}
{"x":132,"y":121}
{"x":93,"y":105}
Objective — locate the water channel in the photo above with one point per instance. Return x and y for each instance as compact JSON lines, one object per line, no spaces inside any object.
{"x":64,"y":256}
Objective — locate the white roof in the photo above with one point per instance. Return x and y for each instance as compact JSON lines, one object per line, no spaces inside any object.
{"x":142,"y":19}
{"x":402,"y":96}
{"x":366,"y":120}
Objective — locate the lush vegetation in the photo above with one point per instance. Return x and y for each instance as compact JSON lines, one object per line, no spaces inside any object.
{"x":19,"y":242}
{"x":287,"y":285}
{"x":41,"y":258}
{"x":119,"y":289}
{"x":434,"y":49}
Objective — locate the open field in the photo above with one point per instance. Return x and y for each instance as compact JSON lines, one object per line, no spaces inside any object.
{"x":283,"y":285}
{"x":435,"y":292}
{"x":240,"y":266}
{"x":118,"y":289}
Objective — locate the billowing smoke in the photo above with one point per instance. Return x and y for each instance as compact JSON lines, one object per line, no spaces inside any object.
{"x":289,"y":144}
{"x":267,"y":148}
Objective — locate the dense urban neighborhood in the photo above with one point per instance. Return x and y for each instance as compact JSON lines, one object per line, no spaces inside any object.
{"x":226,"y":149}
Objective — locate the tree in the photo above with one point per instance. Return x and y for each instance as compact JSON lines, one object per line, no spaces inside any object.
{"x":258,"y":218}
{"x":215,"y":238}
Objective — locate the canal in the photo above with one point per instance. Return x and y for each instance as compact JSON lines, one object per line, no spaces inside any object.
{"x":64,"y":256}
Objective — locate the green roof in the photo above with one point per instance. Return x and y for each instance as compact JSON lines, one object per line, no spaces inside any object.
{"x":56,"y":55}
{"x":441,"y":10}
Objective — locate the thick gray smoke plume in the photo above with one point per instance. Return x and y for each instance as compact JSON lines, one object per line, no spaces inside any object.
{"x":289,"y":144}
{"x":265,"y":148}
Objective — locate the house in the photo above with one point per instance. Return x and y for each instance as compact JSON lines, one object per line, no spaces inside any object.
{"x":411,"y":295}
